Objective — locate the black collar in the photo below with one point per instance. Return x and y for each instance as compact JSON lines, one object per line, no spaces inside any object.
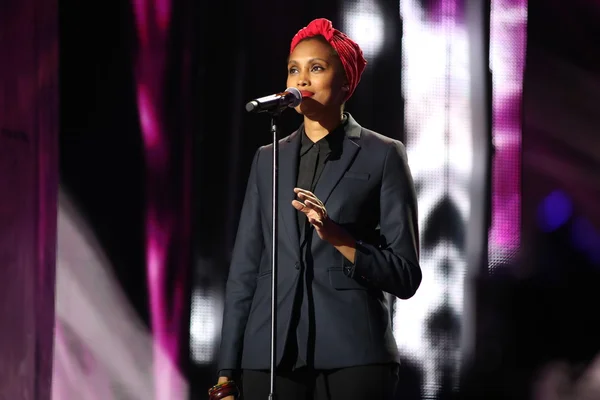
{"x":331,"y":143}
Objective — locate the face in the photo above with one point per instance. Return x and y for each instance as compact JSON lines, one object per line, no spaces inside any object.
{"x":317,"y":72}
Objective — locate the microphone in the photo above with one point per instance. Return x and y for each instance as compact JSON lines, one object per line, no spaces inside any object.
{"x":276,"y":102}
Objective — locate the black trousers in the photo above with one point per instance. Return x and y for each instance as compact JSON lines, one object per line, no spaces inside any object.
{"x":369,"y":382}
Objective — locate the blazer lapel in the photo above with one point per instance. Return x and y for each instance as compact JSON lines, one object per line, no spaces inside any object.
{"x":288,"y":171}
{"x":335,"y":169}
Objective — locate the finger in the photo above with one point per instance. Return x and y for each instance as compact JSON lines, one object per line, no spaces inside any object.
{"x":305,"y":194}
{"x":316,"y":207}
{"x":307,"y":207}
{"x":304,"y":191}
{"x":313,"y":206}
{"x":299,"y":206}
{"x":311,"y":197}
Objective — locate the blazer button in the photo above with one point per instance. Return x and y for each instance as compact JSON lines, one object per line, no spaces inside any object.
{"x":297,"y":265}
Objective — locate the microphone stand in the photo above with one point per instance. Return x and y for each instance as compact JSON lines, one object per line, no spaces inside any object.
{"x":275,"y":205}
{"x":275,"y":105}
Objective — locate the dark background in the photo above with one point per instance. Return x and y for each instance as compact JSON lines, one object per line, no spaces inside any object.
{"x":543,"y":311}
{"x":239,"y":53}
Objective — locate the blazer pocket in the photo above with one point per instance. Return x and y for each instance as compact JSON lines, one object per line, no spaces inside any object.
{"x":263,"y":274}
{"x":363,"y":176}
{"x":340,"y":281}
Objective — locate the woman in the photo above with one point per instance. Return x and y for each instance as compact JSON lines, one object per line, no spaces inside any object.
{"x":348,"y":233}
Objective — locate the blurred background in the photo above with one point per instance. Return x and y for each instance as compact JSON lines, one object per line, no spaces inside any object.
{"x":124,"y":155}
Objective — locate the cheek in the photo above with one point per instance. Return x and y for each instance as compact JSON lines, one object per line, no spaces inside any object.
{"x":332,"y":85}
{"x":332,"y":91}
{"x":324,"y":86}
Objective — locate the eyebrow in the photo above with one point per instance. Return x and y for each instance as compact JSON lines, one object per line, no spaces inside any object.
{"x":309,"y":61}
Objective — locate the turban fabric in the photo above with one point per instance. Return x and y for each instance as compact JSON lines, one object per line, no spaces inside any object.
{"x":349,"y":51}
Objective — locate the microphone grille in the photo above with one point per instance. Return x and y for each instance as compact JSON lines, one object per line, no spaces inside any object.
{"x":251,"y":106}
{"x":297,"y":96}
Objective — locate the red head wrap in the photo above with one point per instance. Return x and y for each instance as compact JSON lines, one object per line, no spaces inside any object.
{"x":349,"y":51}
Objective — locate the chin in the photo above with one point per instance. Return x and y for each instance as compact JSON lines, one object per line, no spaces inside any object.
{"x":309,"y":108}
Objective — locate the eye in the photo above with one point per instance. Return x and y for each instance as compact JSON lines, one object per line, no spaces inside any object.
{"x":317,"y":68}
{"x":293,"y":70}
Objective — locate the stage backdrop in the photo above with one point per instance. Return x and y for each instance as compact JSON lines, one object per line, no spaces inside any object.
{"x":125,"y":231}
{"x":561,"y":217}
{"x":28,"y":190}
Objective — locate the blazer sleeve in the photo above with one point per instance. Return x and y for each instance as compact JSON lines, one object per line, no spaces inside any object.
{"x":393,"y":266}
{"x":241,"y":281}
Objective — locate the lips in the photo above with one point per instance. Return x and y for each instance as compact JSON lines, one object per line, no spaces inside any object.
{"x":306,"y":93}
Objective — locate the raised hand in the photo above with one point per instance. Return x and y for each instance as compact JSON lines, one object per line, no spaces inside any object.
{"x":312,"y":207}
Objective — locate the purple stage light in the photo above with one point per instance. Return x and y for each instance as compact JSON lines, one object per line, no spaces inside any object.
{"x":167,"y":233}
{"x":554,"y":211}
{"x":508,"y":22}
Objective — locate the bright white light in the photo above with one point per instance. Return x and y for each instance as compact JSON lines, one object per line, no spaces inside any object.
{"x":363,"y":22}
{"x":436,"y":84}
{"x":205,"y":325}
{"x":101,"y":348}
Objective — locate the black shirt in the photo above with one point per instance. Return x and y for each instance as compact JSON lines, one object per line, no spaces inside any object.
{"x":312,"y":159}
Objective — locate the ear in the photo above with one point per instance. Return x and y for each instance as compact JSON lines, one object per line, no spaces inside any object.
{"x":345,"y":87}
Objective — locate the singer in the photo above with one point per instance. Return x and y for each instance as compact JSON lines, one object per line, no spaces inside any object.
{"x":348,"y":234}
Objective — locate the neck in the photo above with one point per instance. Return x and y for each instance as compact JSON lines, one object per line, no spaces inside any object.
{"x":318,"y":129}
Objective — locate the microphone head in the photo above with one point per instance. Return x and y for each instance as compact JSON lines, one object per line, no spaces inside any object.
{"x":297,"y":96}
{"x":252,"y":105}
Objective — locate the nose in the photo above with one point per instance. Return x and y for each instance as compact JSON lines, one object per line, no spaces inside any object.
{"x":302,"y":80}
